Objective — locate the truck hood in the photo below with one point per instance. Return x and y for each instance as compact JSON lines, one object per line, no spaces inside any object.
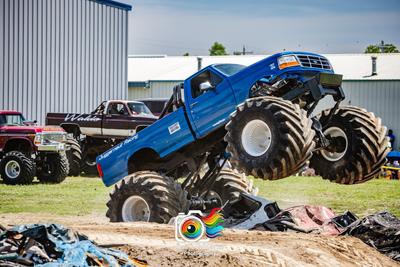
{"x":30,"y":129}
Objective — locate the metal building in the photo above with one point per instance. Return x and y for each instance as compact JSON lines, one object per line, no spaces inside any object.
{"x":380,"y":93}
{"x":61,"y":55}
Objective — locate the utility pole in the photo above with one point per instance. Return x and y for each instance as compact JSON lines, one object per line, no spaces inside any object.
{"x":381,"y":46}
{"x":243,"y":52}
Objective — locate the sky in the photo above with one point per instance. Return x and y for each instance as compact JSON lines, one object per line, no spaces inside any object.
{"x":174,"y":27}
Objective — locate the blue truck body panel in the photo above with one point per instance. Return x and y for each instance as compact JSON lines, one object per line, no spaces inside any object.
{"x":164,"y":136}
{"x":178,"y":129}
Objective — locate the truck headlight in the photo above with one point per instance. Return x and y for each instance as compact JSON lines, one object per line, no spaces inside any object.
{"x":38,"y":139}
{"x":287,"y":61}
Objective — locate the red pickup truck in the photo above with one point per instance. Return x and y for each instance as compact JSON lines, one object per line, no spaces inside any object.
{"x":27,"y":150}
{"x":93,"y":133}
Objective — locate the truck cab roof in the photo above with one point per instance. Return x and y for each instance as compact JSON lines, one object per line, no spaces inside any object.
{"x":9,"y":112}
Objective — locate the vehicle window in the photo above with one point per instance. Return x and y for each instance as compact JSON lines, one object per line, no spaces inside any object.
{"x":100,"y":109}
{"x":11,"y":120}
{"x":229,"y":69}
{"x":150,"y":105}
{"x":206,"y":76}
{"x":117,"y":109}
{"x":139,"y":108}
{"x":155,"y":106}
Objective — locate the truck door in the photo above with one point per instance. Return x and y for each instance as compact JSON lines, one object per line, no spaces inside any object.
{"x":117,"y":121}
{"x":209,"y":108}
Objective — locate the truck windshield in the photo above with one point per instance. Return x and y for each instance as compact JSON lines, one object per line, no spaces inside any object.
{"x":11,"y":120}
{"x":139,"y":108}
{"x":229,"y":69}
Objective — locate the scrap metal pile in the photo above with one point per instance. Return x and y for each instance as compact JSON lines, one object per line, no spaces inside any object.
{"x":380,"y":230}
{"x":53,"y":245}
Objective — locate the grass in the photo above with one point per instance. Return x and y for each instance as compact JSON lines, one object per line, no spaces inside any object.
{"x":75,"y":196}
{"x":362,"y":199}
{"x":81,"y":196}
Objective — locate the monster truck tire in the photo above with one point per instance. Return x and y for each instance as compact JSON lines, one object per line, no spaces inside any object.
{"x":89,"y":166}
{"x":363,"y":150}
{"x":55,"y":169}
{"x":17,"y":168}
{"x":228,"y":186}
{"x":146,"y":196}
{"x":74,"y":156}
{"x":269,"y":138}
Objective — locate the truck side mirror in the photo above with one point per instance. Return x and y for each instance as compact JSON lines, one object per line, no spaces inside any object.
{"x":205,"y":86}
{"x":30,"y":123}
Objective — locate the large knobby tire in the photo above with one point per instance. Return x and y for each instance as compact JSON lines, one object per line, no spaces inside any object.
{"x":74,"y":156}
{"x":228,"y":186}
{"x":54,"y":169}
{"x":363,"y":146}
{"x":269,"y":138}
{"x":146,"y":196}
{"x":89,"y":166}
{"x":17,"y":168}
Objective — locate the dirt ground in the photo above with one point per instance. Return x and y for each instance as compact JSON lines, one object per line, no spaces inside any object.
{"x":156,"y":244}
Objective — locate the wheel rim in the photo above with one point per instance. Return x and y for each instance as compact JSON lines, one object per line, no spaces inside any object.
{"x":335,"y":132}
{"x":135,"y":209}
{"x":90,"y":162}
{"x":13,"y":169}
{"x":256,"y":138}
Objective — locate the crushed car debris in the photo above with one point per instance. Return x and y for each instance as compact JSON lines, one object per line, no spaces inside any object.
{"x":380,"y":230}
{"x":51,"y":245}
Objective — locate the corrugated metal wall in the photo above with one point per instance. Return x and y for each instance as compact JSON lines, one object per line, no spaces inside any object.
{"x":61,"y":55}
{"x":157,"y":89}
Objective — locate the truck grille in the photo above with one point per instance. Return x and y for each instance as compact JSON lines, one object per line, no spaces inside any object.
{"x":56,"y":137}
{"x":314,"y":62}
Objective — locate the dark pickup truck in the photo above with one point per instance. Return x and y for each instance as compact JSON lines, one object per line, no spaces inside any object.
{"x":92,"y":134}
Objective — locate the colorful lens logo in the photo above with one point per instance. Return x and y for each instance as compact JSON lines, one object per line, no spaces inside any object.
{"x":193,"y":226}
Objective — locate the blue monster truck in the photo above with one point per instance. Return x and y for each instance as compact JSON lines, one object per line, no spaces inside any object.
{"x":260,"y":118}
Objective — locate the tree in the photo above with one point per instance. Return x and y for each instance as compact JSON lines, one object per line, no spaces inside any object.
{"x":391,"y":48}
{"x":186,"y":54}
{"x":381,"y":48}
{"x":217,"y":49}
{"x":372,"y":49}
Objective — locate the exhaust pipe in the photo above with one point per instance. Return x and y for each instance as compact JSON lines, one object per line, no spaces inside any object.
{"x":199,"y":63}
{"x":374,"y":71}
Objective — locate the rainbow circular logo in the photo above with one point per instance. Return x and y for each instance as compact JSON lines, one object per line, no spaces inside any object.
{"x":191,"y":228}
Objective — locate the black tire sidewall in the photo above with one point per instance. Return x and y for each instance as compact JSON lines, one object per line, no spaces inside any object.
{"x":58,"y":173}
{"x":74,"y":156}
{"x":242,"y":119}
{"x":164,"y":196}
{"x":140,"y":192}
{"x":25,"y":171}
{"x":225,"y":190}
{"x":367,"y":146}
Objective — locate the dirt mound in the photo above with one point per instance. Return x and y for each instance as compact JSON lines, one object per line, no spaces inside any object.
{"x":156,"y":244}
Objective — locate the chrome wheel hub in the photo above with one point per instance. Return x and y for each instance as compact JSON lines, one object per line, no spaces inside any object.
{"x":256,"y":138}
{"x":12,"y":169}
{"x":335,"y":132}
{"x":135,"y":209}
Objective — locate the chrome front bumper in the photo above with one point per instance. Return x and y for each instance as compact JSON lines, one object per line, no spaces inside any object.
{"x":55,"y":147}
